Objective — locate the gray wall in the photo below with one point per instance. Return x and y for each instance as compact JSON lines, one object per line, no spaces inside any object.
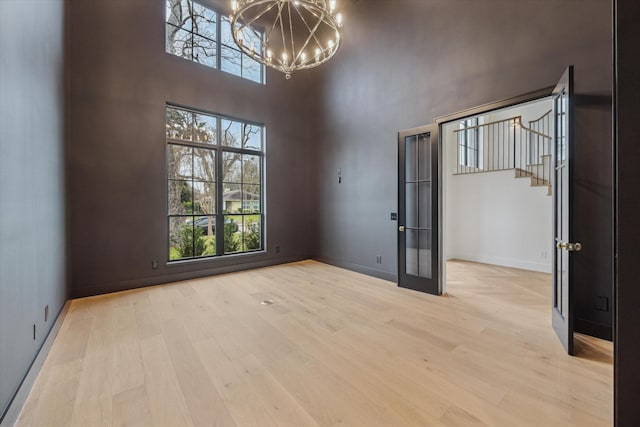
{"x":403,"y":63}
{"x":121,"y":79}
{"x":32,"y":212}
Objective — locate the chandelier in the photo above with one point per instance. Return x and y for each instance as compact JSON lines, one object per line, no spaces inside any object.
{"x":287,"y":35}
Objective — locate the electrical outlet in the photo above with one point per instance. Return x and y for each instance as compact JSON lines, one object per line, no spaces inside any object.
{"x":34,"y":331}
{"x":154,"y":264}
{"x":46,"y":313}
{"x":378,"y":259}
{"x":602,"y":303}
{"x":394,"y":216}
{"x":277,"y":249}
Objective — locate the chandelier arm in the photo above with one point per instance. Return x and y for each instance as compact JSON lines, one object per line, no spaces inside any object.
{"x":258,"y":16}
{"x":284,"y":44}
{"x":293,"y":45}
{"x":268,"y":35}
{"x":312,"y":33}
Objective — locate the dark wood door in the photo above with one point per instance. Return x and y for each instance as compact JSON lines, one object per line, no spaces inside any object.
{"x":418,"y":254}
{"x":562,"y":312}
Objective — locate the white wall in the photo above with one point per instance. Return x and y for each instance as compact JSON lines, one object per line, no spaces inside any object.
{"x":496,"y":219}
{"x":492,"y":217}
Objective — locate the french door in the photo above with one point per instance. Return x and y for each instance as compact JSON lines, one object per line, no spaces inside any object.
{"x":418,"y":254}
{"x":562,"y":312}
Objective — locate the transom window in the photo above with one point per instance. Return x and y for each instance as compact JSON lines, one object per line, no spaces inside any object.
{"x":215,"y":186}
{"x":202,"y":35}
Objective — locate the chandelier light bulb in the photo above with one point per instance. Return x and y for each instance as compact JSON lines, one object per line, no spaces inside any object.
{"x":284,"y":57}
{"x":303,"y":58}
{"x":332,"y":5}
{"x":339,"y":19}
{"x":234,"y":5}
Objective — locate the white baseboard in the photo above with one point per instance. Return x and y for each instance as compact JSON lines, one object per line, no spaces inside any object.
{"x":505,"y":262}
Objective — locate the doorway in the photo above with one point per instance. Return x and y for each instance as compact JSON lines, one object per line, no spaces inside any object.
{"x":497,"y":193}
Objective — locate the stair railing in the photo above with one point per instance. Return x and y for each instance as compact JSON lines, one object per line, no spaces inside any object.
{"x":506,"y":144}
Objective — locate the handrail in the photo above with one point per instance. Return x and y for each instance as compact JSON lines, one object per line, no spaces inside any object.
{"x":507,"y":144}
{"x":488,"y":124}
{"x":541,"y":117}
{"x":516,"y":119}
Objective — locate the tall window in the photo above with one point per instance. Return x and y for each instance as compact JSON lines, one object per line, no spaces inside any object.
{"x":469,"y":143}
{"x":201,"y":35}
{"x":215,"y":187}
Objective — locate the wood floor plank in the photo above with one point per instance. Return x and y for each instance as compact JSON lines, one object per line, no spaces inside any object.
{"x":335,"y":348}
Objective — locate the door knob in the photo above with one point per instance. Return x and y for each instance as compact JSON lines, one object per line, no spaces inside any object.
{"x":401,"y":228}
{"x":570,"y":247}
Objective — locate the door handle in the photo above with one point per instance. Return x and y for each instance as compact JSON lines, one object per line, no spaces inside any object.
{"x":401,"y":228}
{"x":570,"y":247}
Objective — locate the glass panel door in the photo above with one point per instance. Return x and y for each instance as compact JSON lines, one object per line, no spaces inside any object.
{"x":417,"y":231}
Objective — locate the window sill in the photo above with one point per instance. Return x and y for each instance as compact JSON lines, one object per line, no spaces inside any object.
{"x":214,"y":260}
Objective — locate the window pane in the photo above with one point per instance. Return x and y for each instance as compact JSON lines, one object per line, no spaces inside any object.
{"x":179,"y":42}
{"x":231,"y":133}
{"x":206,"y":230}
{"x":410,"y":155}
{"x":231,"y":167}
{"x":181,"y":234}
{"x":424,"y":157}
{"x":179,"y":124}
{"x":250,"y":198}
{"x":411,"y":205}
{"x":204,"y":51}
{"x":232,"y":234}
{"x":204,"y":197}
{"x":232,"y":198}
{"x":179,"y":162}
{"x":180,"y":197}
{"x":250,"y":169}
{"x":204,"y":164}
{"x":251,"y":69}
{"x":251,"y":235}
{"x":205,"y":128}
{"x":424,"y":194}
{"x":230,"y":60}
{"x":411,"y":251}
{"x":252,"y":137}
{"x":204,"y":21}
{"x":424,"y":255}
{"x":178,"y":13}
{"x":251,"y":38}
{"x":225,"y":32}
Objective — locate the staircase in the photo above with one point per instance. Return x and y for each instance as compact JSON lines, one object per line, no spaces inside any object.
{"x":507,"y":144}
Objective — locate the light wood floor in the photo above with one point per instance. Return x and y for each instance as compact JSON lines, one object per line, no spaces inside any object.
{"x":336,"y":348}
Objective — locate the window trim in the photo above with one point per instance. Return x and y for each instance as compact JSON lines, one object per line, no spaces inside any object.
{"x":219,"y":215}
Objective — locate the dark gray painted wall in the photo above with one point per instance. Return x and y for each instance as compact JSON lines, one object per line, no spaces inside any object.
{"x":627,"y":340}
{"x":403,"y":63}
{"x":121,"y":79}
{"x":32,"y":212}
